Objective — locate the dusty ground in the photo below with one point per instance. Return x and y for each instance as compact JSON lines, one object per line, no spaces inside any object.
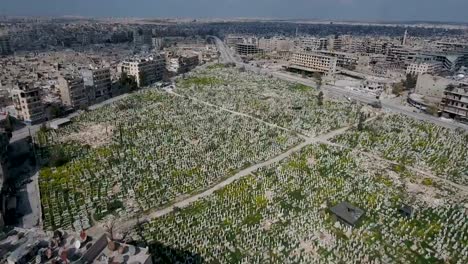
{"x":94,"y":135}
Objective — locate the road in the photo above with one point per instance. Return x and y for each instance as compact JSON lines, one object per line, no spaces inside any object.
{"x":387,"y":104}
{"x":29,"y":204}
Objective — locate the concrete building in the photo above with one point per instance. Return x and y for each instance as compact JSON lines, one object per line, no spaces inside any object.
{"x":98,"y":84}
{"x":145,"y":71}
{"x":275,"y":44}
{"x":4,"y":141}
{"x":182,"y":64}
{"x":432,"y":88}
{"x":232,"y":40}
{"x":343,"y":59}
{"x":28,"y":105}
{"x":313,"y":62}
{"x":418,"y":68}
{"x":72,"y":91}
{"x":455,"y":103}
{"x":452,"y":46}
{"x":5,"y":44}
{"x":247,"y":49}
{"x":157,"y":43}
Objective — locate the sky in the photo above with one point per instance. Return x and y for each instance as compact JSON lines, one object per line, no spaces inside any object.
{"x":380,"y":10}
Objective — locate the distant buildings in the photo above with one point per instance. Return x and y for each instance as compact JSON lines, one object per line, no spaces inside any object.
{"x":72,"y":91}
{"x":145,"y":71}
{"x":455,"y":103}
{"x":313,"y":62}
{"x":142,"y":37}
{"x":5,"y":45}
{"x":28,"y":105}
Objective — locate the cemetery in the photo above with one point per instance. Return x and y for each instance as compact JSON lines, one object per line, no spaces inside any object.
{"x":144,"y":152}
{"x":327,"y":203}
{"x":439,"y":150}
{"x":285,"y":214}
{"x":294,"y":106}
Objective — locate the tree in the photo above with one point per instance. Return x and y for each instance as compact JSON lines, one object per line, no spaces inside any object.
{"x":128,"y":82}
{"x":362,"y":119}
{"x":397,"y":88}
{"x":432,"y":110}
{"x":318,"y":77}
{"x":410,"y":81}
{"x":56,"y":111}
{"x":320,"y":98}
{"x":114,"y":230}
{"x":450,"y":87}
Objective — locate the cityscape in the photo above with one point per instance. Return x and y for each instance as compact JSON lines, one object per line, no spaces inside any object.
{"x":230,"y":138}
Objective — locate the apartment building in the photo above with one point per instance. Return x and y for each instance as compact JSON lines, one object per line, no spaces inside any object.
{"x":417,"y":68}
{"x":275,"y":44}
{"x":28,"y":105}
{"x":98,"y":84}
{"x":145,"y":71}
{"x":455,"y":103}
{"x":247,"y":49}
{"x":432,"y":87}
{"x":311,"y":44}
{"x":313,"y":62}
{"x":343,"y":59}
{"x":5,"y":44}
{"x":72,"y":91}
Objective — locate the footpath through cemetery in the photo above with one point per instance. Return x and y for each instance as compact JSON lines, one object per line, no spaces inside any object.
{"x":376,"y":192}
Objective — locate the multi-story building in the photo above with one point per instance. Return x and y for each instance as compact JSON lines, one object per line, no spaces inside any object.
{"x":246,"y":49}
{"x":313,"y":62}
{"x":5,"y":45}
{"x":98,"y":84}
{"x":232,"y":40}
{"x":28,"y":105}
{"x":417,"y":68}
{"x":275,"y":44}
{"x":455,"y":103}
{"x":72,"y":91}
{"x":432,"y":87}
{"x":145,"y":71}
{"x":343,"y":59}
{"x":157,"y":43}
{"x":4,"y":141}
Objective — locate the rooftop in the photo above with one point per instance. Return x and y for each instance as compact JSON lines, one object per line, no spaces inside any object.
{"x":347,"y":212}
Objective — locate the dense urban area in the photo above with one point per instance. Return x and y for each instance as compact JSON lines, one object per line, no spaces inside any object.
{"x":232,"y":141}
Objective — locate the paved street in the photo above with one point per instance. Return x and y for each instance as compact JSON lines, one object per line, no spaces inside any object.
{"x":387,"y":104}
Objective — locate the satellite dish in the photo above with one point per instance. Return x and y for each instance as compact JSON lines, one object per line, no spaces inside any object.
{"x":131,"y":250}
{"x":77,"y":244}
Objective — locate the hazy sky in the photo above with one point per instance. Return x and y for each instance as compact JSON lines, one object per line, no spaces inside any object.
{"x":436,"y":10}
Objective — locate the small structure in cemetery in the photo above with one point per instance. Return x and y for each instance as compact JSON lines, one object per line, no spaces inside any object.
{"x":347,"y":213}
{"x":406,"y":211}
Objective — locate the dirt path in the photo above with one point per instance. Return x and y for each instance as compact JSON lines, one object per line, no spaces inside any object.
{"x":245,"y":172}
